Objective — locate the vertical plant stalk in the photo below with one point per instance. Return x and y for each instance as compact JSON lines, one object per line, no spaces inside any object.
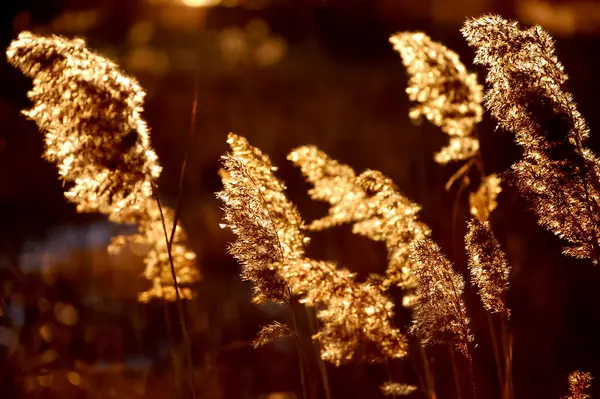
{"x":472,"y":375}
{"x":422,"y":384}
{"x":298,"y":348}
{"x":507,"y":345}
{"x":455,"y":372}
{"x":464,"y":183}
{"x":169,"y":239}
{"x":499,"y":363}
{"x":469,"y":346}
{"x":180,"y":310}
{"x":192,"y":135}
{"x":428,"y":373}
{"x":174,"y":356}
{"x":312,"y":321}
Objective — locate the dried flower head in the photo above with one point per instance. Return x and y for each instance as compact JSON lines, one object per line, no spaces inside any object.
{"x":334,"y":183}
{"x":266,"y":223}
{"x":397,"y":389}
{"x":158,"y":267}
{"x":445,"y":93}
{"x":579,"y":383}
{"x":439,"y":312}
{"x":90,"y":113}
{"x":271,"y":333}
{"x":393,"y":219}
{"x":490,"y":270}
{"x":483,"y":201}
{"x":557,"y":173}
{"x":370,"y":201}
{"x":355,"y":318}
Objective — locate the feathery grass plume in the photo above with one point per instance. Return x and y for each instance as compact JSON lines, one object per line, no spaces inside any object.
{"x":397,"y":389}
{"x":270,"y":333}
{"x":267,"y":225}
{"x":270,"y":247}
{"x":90,"y":113}
{"x":439,"y":312}
{"x":483,"y":201}
{"x":370,"y":201}
{"x":158,"y":268}
{"x":558,"y":174}
{"x":490,"y":270}
{"x":355,"y":318}
{"x":444,"y":92}
{"x":334,"y":183}
{"x":393,"y":219}
{"x":579,"y":383}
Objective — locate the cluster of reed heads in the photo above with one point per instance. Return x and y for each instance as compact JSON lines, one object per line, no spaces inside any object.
{"x":90,"y":113}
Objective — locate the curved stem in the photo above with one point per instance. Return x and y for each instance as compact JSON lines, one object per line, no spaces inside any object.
{"x":180,"y":310}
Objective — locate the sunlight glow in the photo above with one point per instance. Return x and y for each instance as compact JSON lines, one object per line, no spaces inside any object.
{"x":200,"y":3}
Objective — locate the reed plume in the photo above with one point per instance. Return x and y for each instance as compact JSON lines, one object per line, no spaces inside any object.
{"x":439,"y":312}
{"x":270,"y":246}
{"x":270,"y":333}
{"x":356,"y":318}
{"x":558,"y":173}
{"x":397,"y":389}
{"x":267,"y":225}
{"x":483,"y":201}
{"x":370,"y":201}
{"x":579,"y":383}
{"x":334,"y":183}
{"x":444,"y":92}
{"x":90,"y":113}
{"x":489,"y":267}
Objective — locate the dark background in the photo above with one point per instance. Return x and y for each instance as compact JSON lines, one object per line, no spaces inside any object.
{"x":283,"y":74}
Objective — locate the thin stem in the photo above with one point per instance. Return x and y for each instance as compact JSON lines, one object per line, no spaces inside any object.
{"x":463,"y":185}
{"x":507,"y":345}
{"x":170,"y":238}
{"x":299,"y":352}
{"x":460,"y":173}
{"x":191,"y":134}
{"x":428,"y":374}
{"x":455,"y":372}
{"x":422,"y":383}
{"x":496,"y":354}
{"x":312,"y":321}
{"x":472,"y":375}
{"x":174,"y":356}
{"x":179,"y":302}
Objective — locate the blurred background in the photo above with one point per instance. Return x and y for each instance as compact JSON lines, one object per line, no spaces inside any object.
{"x":283,"y":73}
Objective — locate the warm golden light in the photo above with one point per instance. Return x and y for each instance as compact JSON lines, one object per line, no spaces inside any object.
{"x":558,"y":172}
{"x":443,"y":92}
{"x":91,"y":114}
{"x":270,"y":245}
{"x":200,"y":3}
